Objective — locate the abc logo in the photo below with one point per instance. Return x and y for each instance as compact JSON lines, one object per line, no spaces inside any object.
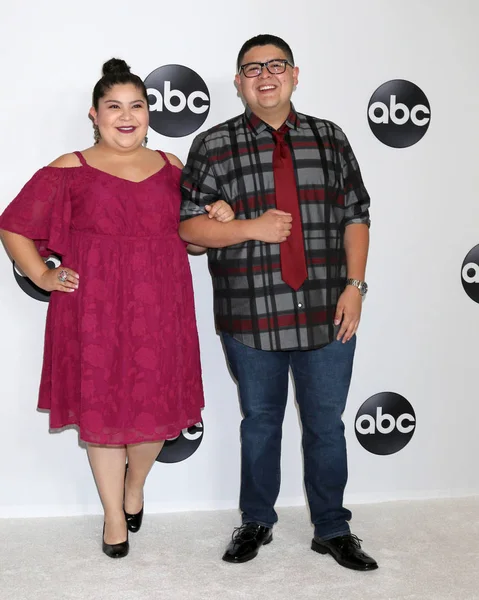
{"x":182,"y":446}
{"x":179,"y":100}
{"x":29,"y":287}
{"x":399,"y":113}
{"x":470,"y":274}
{"x":385,"y":423}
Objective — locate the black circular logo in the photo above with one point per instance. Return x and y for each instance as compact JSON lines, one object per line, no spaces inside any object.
{"x":470,"y":274}
{"x":385,"y":423}
{"x":183,"y":446}
{"x":27,"y":284}
{"x":399,"y":113}
{"x":179,"y":100}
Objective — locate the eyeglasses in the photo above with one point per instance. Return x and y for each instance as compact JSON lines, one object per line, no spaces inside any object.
{"x":275,"y":67}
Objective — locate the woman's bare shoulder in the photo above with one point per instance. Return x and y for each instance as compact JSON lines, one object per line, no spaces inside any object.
{"x":174,"y":160}
{"x":66,"y":160}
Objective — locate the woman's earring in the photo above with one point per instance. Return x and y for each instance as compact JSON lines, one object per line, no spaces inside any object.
{"x":96,"y":134}
{"x":145,"y":141}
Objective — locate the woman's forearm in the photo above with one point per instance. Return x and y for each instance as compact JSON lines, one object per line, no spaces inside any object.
{"x":209,"y":233}
{"x":25,"y":254}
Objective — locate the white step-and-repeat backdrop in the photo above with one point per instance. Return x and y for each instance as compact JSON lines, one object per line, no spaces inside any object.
{"x":401,"y":79}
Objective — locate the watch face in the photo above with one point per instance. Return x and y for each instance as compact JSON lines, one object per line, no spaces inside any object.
{"x":364,"y":288}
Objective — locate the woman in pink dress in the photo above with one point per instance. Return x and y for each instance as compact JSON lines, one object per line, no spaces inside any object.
{"x":121,"y":358}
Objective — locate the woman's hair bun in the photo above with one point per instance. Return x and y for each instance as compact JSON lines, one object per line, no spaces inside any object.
{"x":115,"y":66}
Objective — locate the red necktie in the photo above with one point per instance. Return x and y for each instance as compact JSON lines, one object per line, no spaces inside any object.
{"x":293,"y":260}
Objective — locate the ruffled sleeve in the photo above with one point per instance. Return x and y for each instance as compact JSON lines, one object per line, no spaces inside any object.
{"x":42,"y":211}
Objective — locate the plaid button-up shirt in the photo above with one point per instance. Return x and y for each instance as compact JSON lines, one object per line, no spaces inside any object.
{"x":233,"y":162}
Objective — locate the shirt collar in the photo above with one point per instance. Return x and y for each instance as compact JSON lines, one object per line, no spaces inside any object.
{"x":257,"y":125}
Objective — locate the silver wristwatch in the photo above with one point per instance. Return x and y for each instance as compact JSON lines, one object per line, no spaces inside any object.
{"x":361,"y":285}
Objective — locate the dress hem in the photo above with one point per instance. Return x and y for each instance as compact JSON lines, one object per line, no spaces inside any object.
{"x":145,"y":439}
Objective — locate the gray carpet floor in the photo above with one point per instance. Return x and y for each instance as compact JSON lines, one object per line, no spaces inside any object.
{"x":425,"y":550}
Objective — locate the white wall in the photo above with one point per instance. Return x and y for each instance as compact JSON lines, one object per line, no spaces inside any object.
{"x":418,"y":331}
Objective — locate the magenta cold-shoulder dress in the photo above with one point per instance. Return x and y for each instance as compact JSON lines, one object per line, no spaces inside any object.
{"x":121,"y":357}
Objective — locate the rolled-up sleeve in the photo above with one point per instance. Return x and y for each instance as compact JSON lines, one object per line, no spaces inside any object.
{"x":356,"y":197}
{"x":198,"y":182}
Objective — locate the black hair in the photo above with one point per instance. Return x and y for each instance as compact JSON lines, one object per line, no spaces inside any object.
{"x":116,"y":71}
{"x":264,"y":39}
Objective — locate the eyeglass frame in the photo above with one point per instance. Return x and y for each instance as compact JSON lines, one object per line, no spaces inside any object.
{"x":263,"y":65}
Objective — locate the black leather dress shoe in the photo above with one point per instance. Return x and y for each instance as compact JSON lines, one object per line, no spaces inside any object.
{"x":133,"y":522}
{"x":115,"y":550}
{"x":346,"y":550}
{"x":246,"y":542}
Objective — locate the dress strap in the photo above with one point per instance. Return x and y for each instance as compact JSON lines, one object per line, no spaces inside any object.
{"x":163,"y":156}
{"x":81,"y":158}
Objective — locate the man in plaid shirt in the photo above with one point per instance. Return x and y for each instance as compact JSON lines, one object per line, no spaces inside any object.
{"x":267,"y":326}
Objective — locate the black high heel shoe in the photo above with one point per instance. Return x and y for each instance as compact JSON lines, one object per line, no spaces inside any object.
{"x":133,"y":522}
{"x":115,"y":550}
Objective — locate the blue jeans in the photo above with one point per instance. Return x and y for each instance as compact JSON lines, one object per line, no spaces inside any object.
{"x":322,"y":379}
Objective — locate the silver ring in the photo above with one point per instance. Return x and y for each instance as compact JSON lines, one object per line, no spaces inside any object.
{"x":63,"y":275}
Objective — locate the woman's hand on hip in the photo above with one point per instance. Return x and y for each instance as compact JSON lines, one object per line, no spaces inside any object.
{"x":61,"y":279}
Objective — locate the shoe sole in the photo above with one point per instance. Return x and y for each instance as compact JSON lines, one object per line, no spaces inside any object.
{"x":249,"y":556}
{"x":323,"y":550}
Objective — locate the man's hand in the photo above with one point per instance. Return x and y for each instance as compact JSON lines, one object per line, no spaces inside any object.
{"x":221,"y":211}
{"x":274,"y":226}
{"x":348,"y":313}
